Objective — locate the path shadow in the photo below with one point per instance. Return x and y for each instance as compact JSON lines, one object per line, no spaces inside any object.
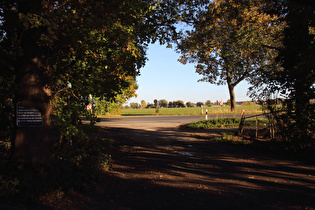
{"x":168,"y":169}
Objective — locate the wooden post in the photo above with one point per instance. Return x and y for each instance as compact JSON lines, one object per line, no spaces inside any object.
{"x":240,"y":129}
{"x":256,"y":134}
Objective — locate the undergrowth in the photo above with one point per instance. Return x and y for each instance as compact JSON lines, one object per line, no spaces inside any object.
{"x":77,"y":165}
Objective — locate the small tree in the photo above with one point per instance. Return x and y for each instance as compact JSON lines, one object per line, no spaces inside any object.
{"x":189,"y":104}
{"x":179,"y":103}
{"x":163,"y":103}
{"x":170,"y":104}
{"x":208,"y":103}
{"x":143,"y":104}
{"x":199,"y":104}
{"x":134,"y":105}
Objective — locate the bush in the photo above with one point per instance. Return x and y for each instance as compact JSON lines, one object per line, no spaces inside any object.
{"x":83,"y":151}
{"x":248,"y":103}
{"x":134,"y":105}
{"x":199,"y":104}
{"x":208,"y":103}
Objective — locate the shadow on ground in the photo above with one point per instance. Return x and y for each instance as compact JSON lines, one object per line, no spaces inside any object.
{"x":169,"y":169}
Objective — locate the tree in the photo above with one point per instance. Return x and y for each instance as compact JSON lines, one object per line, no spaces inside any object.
{"x":178,"y":103}
{"x":295,"y":79}
{"x":189,"y":104}
{"x":163,"y":103}
{"x":227,"y":42}
{"x":97,"y":46}
{"x":149,"y":105}
{"x":298,"y":59}
{"x":143,"y":104}
{"x":134,"y":105}
{"x":208,"y":103}
{"x":114,"y":107}
{"x":199,"y":104}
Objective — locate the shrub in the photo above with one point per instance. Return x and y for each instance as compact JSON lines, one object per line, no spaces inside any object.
{"x":248,"y":103}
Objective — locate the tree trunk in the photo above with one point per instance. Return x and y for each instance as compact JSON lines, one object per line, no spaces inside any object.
{"x":232,"y":96}
{"x":302,"y":108}
{"x":32,"y":143}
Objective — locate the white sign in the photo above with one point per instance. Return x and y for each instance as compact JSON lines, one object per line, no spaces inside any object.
{"x":28,"y":117}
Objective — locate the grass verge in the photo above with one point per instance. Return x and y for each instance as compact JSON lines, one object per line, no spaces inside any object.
{"x":224,"y":123}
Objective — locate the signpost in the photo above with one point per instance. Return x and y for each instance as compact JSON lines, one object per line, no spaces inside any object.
{"x":28,"y":117}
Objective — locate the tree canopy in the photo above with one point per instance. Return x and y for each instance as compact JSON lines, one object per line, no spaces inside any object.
{"x":96,"y":46}
{"x":228,"y":42}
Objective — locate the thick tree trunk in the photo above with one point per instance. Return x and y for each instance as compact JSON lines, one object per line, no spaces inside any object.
{"x":302,"y":108}
{"x":232,"y":97}
{"x":32,"y":143}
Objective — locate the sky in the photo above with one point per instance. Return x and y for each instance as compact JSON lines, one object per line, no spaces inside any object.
{"x":164,"y":77}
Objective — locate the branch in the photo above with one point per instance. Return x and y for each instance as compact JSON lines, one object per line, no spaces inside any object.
{"x":270,"y":47}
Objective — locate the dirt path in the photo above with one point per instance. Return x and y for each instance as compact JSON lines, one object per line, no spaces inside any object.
{"x":170,"y":169}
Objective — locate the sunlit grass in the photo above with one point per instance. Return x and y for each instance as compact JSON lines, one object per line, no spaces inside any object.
{"x":224,"y":123}
{"x":194,"y":110}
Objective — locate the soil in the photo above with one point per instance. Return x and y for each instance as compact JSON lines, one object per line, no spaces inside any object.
{"x":168,"y":168}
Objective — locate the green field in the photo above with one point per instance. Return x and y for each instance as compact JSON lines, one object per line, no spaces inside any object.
{"x":256,"y":109}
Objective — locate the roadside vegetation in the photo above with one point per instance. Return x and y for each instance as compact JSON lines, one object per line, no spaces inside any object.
{"x":77,"y":165}
{"x":66,"y":59}
{"x":225,"y":123}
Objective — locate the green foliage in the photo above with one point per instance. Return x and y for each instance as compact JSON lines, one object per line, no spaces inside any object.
{"x":107,"y":108}
{"x":97,"y":46}
{"x":134,"y":105}
{"x":84,"y":152}
{"x":176,"y":104}
{"x":76,"y":165}
{"x":189,"y":104}
{"x":8,"y":186}
{"x":66,"y":117}
{"x":143,"y":104}
{"x":248,"y":103}
{"x":226,"y":42}
{"x":208,"y":103}
{"x":163,"y":103}
{"x":199,"y":104}
{"x":223,"y":123}
{"x":294,"y":78}
{"x":287,"y":131}
{"x":157,"y":110}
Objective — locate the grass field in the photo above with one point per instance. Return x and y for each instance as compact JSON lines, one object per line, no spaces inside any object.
{"x":193,"y":110}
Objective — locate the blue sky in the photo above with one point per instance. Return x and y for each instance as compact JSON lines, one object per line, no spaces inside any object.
{"x":163,"y":77}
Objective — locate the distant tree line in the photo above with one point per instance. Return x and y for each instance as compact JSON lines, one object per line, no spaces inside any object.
{"x":179,"y":104}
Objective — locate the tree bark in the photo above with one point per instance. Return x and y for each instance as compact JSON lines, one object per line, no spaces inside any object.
{"x":32,"y":143}
{"x":302,"y":108}
{"x":232,"y":95}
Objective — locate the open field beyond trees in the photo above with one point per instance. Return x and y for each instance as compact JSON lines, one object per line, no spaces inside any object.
{"x":193,"y":110}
